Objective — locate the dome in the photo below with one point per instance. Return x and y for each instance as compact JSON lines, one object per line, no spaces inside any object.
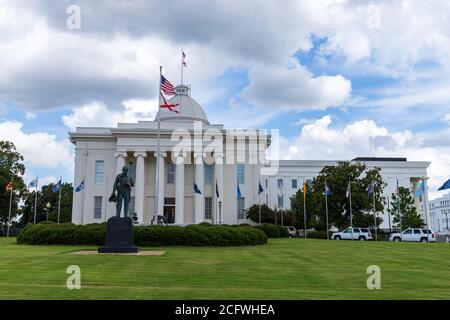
{"x":181,"y":108}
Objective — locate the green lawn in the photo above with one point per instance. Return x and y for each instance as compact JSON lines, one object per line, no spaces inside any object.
{"x":282,"y":269}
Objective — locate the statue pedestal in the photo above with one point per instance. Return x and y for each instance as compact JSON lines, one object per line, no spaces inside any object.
{"x":119,"y":236}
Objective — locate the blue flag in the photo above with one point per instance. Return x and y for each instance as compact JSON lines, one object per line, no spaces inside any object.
{"x":420,"y":189}
{"x":370,"y":188}
{"x":446,"y":185}
{"x":260,"y":188}
{"x":56,"y":187}
{"x":217,"y":190}
{"x":327,"y":190}
{"x":80,"y":187}
{"x":33,"y":184}
{"x":238,"y":192}
{"x":197,"y":189}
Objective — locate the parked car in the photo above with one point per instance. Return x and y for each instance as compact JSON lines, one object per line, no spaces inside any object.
{"x":292,"y":231}
{"x":358,"y":234}
{"x":413,"y":235}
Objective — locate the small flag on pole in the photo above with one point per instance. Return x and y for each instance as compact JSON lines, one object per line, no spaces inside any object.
{"x":327,"y":190}
{"x":217,"y":190}
{"x":56,"y":187}
{"x":197,"y":189}
{"x":80,"y":187}
{"x":167,"y":87}
{"x":260,"y":188}
{"x":370,"y":188}
{"x":349,"y":190}
{"x":420,"y":189}
{"x":183,"y":58}
{"x":9,"y":186}
{"x":445,"y":186}
{"x":305,"y":189}
{"x":32,"y":184}
{"x":238,"y":192}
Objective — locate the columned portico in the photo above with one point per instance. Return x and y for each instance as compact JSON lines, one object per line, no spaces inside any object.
{"x":179,"y":189}
{"x":120,"y":162}
{"x":139,"y":185}
{"x":199,"y":200}
{"x":218,"y":178}
{"x":160,"y":191}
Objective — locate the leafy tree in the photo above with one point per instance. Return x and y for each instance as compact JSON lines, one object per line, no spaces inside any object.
{"x":404,"y":211}
{"x":45,"y":195}
{"x":11,"y":170}
{"x":268,"y":215}
{"x":337,"y":178}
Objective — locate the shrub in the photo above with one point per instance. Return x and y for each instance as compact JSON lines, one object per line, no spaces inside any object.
{"x":284,"y":233}
{"x":271,"y":230}
{"x":317,"y":234}
{"x":94,"y":234}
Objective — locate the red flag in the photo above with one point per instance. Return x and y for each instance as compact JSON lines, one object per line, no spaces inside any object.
{"x":9,"y":186}
{"x":169,"y":106}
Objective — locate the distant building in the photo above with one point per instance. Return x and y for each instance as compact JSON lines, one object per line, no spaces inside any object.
{"x":440,"y":213}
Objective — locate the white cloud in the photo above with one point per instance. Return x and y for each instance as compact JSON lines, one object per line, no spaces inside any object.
{"x":295,"y":88}
{"x":446,"y":118}
{"x":319,"y":140}
{"x":97,"y":114}
{"x":39,"y":149}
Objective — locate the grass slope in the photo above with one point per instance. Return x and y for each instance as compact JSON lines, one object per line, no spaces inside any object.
{"x":282,"y":269}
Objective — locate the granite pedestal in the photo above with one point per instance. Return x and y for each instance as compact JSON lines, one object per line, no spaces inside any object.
{"x":119,"y":236}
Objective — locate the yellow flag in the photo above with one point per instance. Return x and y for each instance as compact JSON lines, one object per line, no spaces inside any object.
{"x":304,"y":190}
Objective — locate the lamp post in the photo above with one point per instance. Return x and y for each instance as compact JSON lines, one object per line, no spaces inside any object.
{"x":275,"y":208}
{"x":47,"y":208}
{"x":220,"y":212}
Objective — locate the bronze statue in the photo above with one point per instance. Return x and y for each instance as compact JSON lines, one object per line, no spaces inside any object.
{"x":121,"y":192}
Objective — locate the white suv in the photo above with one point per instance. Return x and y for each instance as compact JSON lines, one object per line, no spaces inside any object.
{"x":358,"y":234}
{"x":413,"y":235}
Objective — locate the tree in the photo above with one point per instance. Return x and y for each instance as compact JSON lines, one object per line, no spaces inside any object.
{"x":337,"y":178}
{"x":45,"y":195}
{"x":268,"y":215}
{"x":11,"y":170}
{"x":404,"y":211}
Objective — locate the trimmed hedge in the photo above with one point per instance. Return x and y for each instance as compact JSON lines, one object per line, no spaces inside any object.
{"x":94,"y":234}
{"x":317,"y":234}
{"x":273,"y":231}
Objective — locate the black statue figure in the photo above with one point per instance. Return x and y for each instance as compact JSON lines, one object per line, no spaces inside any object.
{"x":121,"y":192}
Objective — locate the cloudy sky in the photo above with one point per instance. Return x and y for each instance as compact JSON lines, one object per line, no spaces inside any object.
{"x":339,"y":78}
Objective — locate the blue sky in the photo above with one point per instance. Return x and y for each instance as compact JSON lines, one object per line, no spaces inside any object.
{"x":337,"y":78}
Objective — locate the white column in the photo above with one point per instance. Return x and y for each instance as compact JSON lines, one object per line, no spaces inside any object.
{"x":139,"y":185}
{"x":120,"y":162}
{"x":218,"y":178}
{"x":199,"y":201}
{"x":160,"y":192}
{"x":179,"y":190}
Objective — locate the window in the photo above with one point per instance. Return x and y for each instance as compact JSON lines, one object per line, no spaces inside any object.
{"x":99,"y":171}
{"x":170,"y":172}
{"x":267,"y":183}
{"x":280,"y":201}
{"x":241,"y":208}
{"x":409,"y":231}
{"x":98,"y":200}
{"x":267,"y":199}
{"x":280,"y":183}
{"x":355,"y":230}
{"x":208,"y":208}
{"x":294,"y":184}
{"x":240,"y":170}
{"x":208,"y":174}
{"x":417,"y":231}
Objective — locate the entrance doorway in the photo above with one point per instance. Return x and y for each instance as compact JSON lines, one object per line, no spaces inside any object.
{"x":169,"y":210}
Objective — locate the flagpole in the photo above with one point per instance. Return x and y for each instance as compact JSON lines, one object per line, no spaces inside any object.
{"x":304,"y":209}
{"x":398,"y":206}
{"x":35,"y":199}
{"x":182,"y":66}
{"x":351,"y":215}
{"x":158,"y":152}
{"x":326,"y":209}
{"x":59,"y":198}
{"x":259,"y":207}
{"x":374,"y":213}
{"x":9,"y":212}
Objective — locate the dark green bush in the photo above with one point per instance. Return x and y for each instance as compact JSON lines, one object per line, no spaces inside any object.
{"x":284,"y":233}
{"x":317,"y":234}
{"x":271,"y":230}
{"x":94,"y":234}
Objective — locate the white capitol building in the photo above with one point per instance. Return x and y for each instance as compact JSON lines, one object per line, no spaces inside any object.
{"x":192,"y":150}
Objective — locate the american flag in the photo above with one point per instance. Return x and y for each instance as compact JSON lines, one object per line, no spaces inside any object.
{"x":183,"y":60}
{"x":167,"y":87}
